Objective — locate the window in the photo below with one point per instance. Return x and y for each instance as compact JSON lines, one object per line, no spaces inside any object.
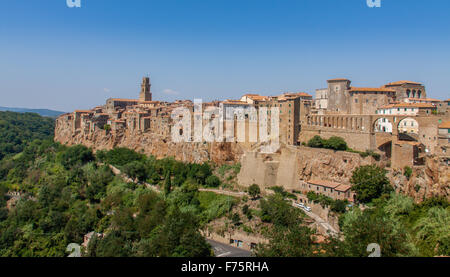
{"x":356,"y":100}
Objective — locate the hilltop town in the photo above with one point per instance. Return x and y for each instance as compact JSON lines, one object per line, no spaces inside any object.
{"x":395,"y":126}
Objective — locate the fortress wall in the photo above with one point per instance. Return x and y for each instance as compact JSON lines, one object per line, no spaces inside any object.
{"x":293,"y":165}
{"x":355,"y":140}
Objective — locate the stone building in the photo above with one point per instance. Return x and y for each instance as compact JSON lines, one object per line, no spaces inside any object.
{"x":408,"y":125}
{"x":407,"y":89}
{"x":342,"y":98}
{"x":333,"y":190}
{"x":321,"y":101}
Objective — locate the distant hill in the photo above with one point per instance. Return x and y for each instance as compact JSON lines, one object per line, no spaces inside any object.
{"x":17,"y":130}
{"x":42,"y":112}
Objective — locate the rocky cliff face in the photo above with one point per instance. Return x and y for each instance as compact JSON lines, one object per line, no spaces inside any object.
{"x":432,"y":179}
{"x":150,"y":144}
{"x":291,"y":166}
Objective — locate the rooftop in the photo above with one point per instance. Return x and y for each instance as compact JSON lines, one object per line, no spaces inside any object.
{"x":399,"y":83}
{"x":425,"y":99}
{"x":343,"y":188}
{"x":323,"y":183}
{"x":371,"y":89}
{"x":338,"y":80}
{"x":445,"y":125}
{"x":408,"y":105}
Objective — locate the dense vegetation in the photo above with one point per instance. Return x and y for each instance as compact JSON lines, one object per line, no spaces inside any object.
{"x":400,"y":226}
{"x":67,"y":192}
{"x":17,"y":130}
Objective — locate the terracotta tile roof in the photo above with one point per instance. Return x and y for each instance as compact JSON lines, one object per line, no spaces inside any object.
{"x":425,"y":99}
{"x":398,"y":83}
{"x":448,"y":100}
{"x":257,"y":97}
{"x":343,"y":188}
{"x":323,"y":183}
{"x":295,"y":94}
{"x":235,"y":102}
{"x":445,"y":125}
{"x":338,"y":79}
{"x":83,"y":111}
{"x":408,"y":105}
{"x":355,"y":89}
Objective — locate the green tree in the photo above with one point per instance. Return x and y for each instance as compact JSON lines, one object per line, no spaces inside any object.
{"x":254,"y":191}
{"x":213,"y":181}
{"x":316,"y":142}
{"x":136,"y":170}
{"x":288,"y":242}
{"x":359,"y":229}
{"x":369,"y":182}
{"x":167,"y":184}
{"x":335,"y":143}
{"x":76,"y":156}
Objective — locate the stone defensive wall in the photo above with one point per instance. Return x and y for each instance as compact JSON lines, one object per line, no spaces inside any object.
{"x":359,"y":130}
{"x":293,"y":165}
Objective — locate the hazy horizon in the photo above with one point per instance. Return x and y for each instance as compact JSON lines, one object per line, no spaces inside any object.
{"x":61,"y":58}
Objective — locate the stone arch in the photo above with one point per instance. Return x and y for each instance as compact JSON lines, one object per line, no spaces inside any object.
{"x":408,"y":125}
{"x":382,"y":125}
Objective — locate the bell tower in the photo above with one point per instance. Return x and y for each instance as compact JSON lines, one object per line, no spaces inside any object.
{"x":146,"y":94}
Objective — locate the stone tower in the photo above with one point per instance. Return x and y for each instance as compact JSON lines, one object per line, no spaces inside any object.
{"x":146,"y":94}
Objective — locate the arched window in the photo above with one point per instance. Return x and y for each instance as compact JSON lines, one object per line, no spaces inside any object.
{"x":408,"y":93}
{"x":414,"y":93}
{"x":419,"y":93}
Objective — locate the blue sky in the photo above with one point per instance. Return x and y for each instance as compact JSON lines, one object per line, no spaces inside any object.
{"x":52,"y":56}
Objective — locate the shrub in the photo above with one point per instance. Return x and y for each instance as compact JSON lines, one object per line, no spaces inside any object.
{"x":254,"y":191}
{"x":213,"y":181}
{"x":335,"y":143}
{"x":407,"y":171}
{"x":316,"y":142}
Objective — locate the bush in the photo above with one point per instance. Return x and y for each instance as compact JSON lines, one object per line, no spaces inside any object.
{"x":335,"y":143}
{"x":213,"y":181}
{"x":254,"y":191}
{"x":407,"y":171}
{"x":316,"y":142}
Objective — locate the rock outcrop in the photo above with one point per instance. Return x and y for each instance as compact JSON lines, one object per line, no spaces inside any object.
{"x":432,"y":179}
{"x":151,"y":144}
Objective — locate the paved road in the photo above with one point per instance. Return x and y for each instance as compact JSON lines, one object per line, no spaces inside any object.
{"x":224,"y":250}
{"x":319,"y":221}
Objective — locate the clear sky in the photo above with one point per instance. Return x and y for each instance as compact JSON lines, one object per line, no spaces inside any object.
{"x":52,"y":56}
